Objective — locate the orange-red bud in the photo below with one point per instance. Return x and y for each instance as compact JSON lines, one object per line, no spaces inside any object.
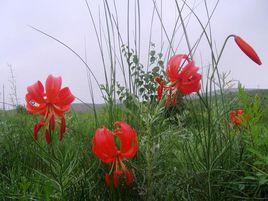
{"x":247,"y":49}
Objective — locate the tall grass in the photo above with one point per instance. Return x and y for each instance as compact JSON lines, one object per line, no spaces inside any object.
{"x":187,"y":152}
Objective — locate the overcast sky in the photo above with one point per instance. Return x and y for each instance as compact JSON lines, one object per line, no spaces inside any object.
{"x":34,"y":56}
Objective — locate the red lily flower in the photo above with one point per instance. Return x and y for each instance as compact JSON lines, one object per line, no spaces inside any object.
{"x":51,"y":104}
{"x":182,"y":79}
{"x":185,"y":79}
{"x":236,"y":116}
{"x":247,"y":49}
{"x":104,"y":147}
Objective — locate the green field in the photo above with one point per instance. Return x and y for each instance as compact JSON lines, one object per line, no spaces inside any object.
{"x":172,"y":124}
{"x":181,"y":156}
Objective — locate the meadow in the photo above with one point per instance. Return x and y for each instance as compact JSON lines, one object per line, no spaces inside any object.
{"x":171,"y":164}
{"x":167,"y":131}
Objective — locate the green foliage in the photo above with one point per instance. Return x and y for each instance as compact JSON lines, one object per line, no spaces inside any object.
{"x":21,"y":109}
{"x":190,"y":151}
{"x":182,"y":160}
{"x":185,"y":160}
{"x":255,"y":143}
{"x":144,"y":86}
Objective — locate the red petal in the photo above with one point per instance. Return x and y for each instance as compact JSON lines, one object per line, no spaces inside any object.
{"x":174,"y":65}
{"x":62,"y":128}
{"x":35,"y":98}
{"x":36,"y":91}
{"x":236,"y":116}
{"x":107,"y":179}
{"x":33,"y":110}
{"x":103,"y":145}
{"x":158,"y":79}
{"x":48,"y":137}
{"x":52,"y":123}
{"x":61,"y":110}
{"x":129,"y":177}
{"x":160,"y":88}
{"x":128,"y":139}
{"x":65,"y":97}
{"x":240,"y":112}
{"x":189,"y":79}
{"x":37,"y":128}
{"x":247,"y":49}
{"x":116,"y":180}
{"x":31,"y":101}
{"x":168,"y":101}
{"x":189,"y":70}
{"x":190,"y":87}
{"x":63,"y":101}
{"x":53,"y":85}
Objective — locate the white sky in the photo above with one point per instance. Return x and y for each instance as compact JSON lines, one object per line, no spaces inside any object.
{"x":34,"y":56}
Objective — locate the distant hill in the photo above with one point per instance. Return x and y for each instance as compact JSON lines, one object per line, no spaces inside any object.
{"x":260,"y":92}
{"x":85,"y":107}
{"x":88,"y":107}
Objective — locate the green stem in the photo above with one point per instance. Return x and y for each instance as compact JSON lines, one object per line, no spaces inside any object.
{"x":219,"y":57}
{"x":149,"y":160}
